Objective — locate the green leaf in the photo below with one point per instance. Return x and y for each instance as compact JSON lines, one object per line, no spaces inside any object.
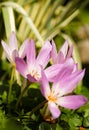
{"x":84,"y":109}
{"x":86,"y":121}
{"x":58,"y":127}
{"x":12,"y":125}
{"x":84,"y":91}
{"x":44,"y":126}
{"x":75,"y":120}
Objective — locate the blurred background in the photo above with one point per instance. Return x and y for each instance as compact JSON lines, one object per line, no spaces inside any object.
{"x":43,"y":20}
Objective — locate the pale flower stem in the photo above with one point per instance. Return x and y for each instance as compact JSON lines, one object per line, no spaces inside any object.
{"x":10,"y":88}
{"x":37,"y":107}
{"x":18,"y":77}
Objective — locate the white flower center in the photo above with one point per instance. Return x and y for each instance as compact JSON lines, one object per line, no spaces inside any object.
{"x":36,"y":74}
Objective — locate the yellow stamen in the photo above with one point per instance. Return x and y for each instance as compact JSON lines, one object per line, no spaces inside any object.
{"x":51,"y":98}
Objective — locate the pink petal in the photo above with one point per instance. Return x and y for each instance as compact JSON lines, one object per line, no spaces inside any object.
{"x":70,"y":82}
{"x":45,"y":88}
{"x":60,"y":58}
{"x":14,"y":54}
{"x":75,"y":68}
{"x":52,"y":71}
{"x":64,"y":48}
{"x":54,"y":53}
{"x":72,"y":102}
{"x":58,"y":72}
{"x":21,"y":67}
{"x":66,"y":70}
{"x":31,"y":53}
{"x":13,"y":42}
{"x":70,"y":52}
{"x":23,"y":48}
{"x":30,"y":78}
{"x":7,"y":51}
{"x":54,"y":110}
{"x":44,"y":54}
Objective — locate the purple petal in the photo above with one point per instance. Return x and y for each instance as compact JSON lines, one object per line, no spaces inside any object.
{"x":64,"y":48}
{"x":13,"y":42}
{"x":31,"y":53}
{"x":70,"y":82}
{"x":7,"y":51}
{"x":21,"y":67}
{"x":54,"y":53}
{"x":31,"y":78}
{"x":14,"y":54}
{"x":66,"y":69}
{"x":45,"y":88}
{"x":70,"y":52}
{"x":44,"y":54}
{"x":75,"y":68}
{"x":23,"y":48}
{"x":58,"y":72}
{"x":54,"y":110}
{"x":60,"y":58}
{"x":52,"y":71}
{"x":72,"y":102}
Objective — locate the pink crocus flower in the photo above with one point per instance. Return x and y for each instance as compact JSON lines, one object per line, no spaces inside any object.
{"x":63,"y":53}
{"x":11,"y":49}
{"x":59,"y":94}
{"x":66,"y":68}
{"x":32,"y":70}
{"x":60,"y":61}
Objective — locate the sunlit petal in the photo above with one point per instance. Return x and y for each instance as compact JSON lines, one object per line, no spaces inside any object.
{"x":54,"y":110}
{"x":44,"y":54}
{"x":13,"y":42}
{"x":64,"y":48}
{"x":23,"y":48}
{"x":66,"y":69}
{"x":70,"y":52}
{"x":45,"y":88}
{"x":60,"y":58}
{"x":54,"y":53}
{"x":7,"y":51}
{"x":14,"y":54}
{"x":21,"y":66}
{"x":72,"y":102}
{"x":70,"y":83}
{"x":52,"y":71}
{"x":31,"y":53}
{"x":31,"y":78}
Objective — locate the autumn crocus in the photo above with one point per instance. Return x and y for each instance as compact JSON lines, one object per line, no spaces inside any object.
{"x":63,"y":54}
{"x":11,"y":49}
{"x":60,"y":93}
{"x":31,"y":68}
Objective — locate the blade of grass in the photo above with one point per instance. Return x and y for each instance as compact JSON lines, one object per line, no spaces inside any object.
{"x":23,"y":13}
{"x":57,"y":28}
{"x":41,"y":13}
{"x":50,"y":14}
{"x":33,"y":14}
{"x":9,"y":20}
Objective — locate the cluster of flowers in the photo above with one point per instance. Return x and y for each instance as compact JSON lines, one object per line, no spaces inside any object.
{"x":63,"y":74}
